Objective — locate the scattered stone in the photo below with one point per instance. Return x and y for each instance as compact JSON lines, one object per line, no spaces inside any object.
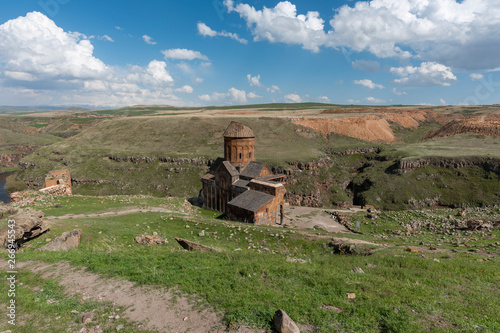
{"x":461,"y":213}
{"x":396,"y":310}
{"x":236,"y":250}
{"x":298,"y":261}
{"x":371,"y":265}
{"x":75,"y":312}
{"x":412,"y":249}
{"x":349,"y":246}
{"x":357,"y":270}
{"x":331,"y":308}
{"x":192,"y":246}
{"x":87,"y":317}
{"x":201,"y":233}
{"x":150,"y":240}
{"x":320,"y":227}
{"x":479,"y":225}
{"x":120,"y":327}
{"x":185,"y":318}
{"x":65,"y":242}
{"x":283,"y":323}
{"x":51,"y":301}
{"x":29,"y":224}
{"x":351,"y":295}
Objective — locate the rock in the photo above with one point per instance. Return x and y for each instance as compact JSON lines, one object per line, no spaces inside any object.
{"x":331,"y":308}
{"x":357,"y":270}
{"x":65,"y":242}
{"x":87,"y":317}
{"x":351,"y":295}
{"x":349,"y":246}
{"x":120,"y":327}
{"x":299,"y":261}
{"x":150,"y":240}
{"x":479,"y":225}
{"x":192,"y":246}
{"x":396,"y":310}
{"x":283,"y":323}
{"x":29,"y":223}
{"x":201,"y":233}
{"x":319,"y":227}
{"x":412,"y":249}
{"x":371,"y":265}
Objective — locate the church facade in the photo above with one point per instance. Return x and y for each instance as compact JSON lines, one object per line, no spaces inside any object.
{"x":242,"y":188}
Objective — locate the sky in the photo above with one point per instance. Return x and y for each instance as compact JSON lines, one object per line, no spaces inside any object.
{"x":225,"y":52}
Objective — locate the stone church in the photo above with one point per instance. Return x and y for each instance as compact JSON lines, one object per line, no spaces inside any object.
{"x":244,"y":189}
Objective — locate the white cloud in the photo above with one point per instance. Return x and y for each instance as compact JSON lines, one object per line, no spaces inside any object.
{"x":282,"y":24}
{"x":399,"y":93}
{"x":374,"y":100}
{"x":462,"y":34}
{"x":324,"y":99}
{"x":149,"y":40}
{"x":205,"y":98}
{"x":442,"y":101}
{"x":475,"y":76}
{"x":41,"y":63}
{"x":205,"y":30}
{"x":185,"y":89}
{"x":428,"y":74}
{"x":239,"y":96}
{"x":366,"y":65}
{"x":184,"y":54}
{"x":106,"y":38}
{"x":368,"y":83}
{"x":293,"y":98}
{"x":253,"y":95}
{"x":254,"y":80}
{"x":198,"y":80}
{"x":273,"y":89}
{"x":118,"y":28}
{"x":353,"y":101}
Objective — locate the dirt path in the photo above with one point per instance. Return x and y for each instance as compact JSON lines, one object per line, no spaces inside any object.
{"x":307,"y":217}
{"x":116,"y":213}
{"x":158,"y":309}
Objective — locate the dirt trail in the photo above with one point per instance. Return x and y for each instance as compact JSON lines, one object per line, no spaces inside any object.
{"x":116,"y":213}
{"x":157,"y":308}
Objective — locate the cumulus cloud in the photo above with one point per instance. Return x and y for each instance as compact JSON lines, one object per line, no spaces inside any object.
{"x":293,"y":98}
{"x":198,"y":80}
{"x":254,"y":80}
{"x":324,"y":99}
{"x":428,"y":74}
{"x":232,"y":96}
{"x":374,"y":100}
{"x":369,"y":66}
{"x":205,"y":30}
{"x":106,"y":38}
{"x":442,"y":101}
{"x":46,"y":64}
{"x":183,"y":54}
{"x":353,"y":101}
{"x":368,"y":83}
{"x":273,"y":89}
{"x":475,"y":76}
{"x":461,"y":34}
{"x":149,"y":40}
{"x":253,"y":95}
{"x":185,"y":89}
{"x":399,"y":93}
{"x":283,"y":24}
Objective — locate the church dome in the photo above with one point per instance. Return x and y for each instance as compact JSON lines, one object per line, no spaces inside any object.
{"x":238,"y":130}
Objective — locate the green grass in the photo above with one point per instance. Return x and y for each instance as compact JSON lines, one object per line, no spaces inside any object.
{"x":455,"y":294}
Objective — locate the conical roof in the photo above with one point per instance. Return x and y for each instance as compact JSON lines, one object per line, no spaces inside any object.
{"x":238,"y":130}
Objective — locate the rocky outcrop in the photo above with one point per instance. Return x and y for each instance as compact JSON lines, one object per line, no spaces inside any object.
{"x":349,"y":246}
{"x":28,"y":224}
{"x":192,"y":246}
{"x":67,"y":241}
{"x":311,"y":200}
{"x":11,"y":160}
{"x":355,"y":151}
{"x":170,"y":160}
{"x":56,"y":190}
{"x":150,"y":239}
{"x":488,"y":164}
{"x":93,"y":182}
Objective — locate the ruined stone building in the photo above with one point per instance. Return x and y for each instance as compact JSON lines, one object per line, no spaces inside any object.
{"x":58,"y":182}
{"x":244,"y":189}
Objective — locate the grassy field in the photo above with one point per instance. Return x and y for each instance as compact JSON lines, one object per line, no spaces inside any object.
{"x":441,"y":290}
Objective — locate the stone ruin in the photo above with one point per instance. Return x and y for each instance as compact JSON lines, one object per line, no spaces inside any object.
{"x":58,"y":183}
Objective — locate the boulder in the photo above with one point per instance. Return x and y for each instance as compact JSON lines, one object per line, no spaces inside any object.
{"x":349,"y":246}
{"x":65,"y":242}
{"x":29,"y":223}
{"x":150,"y":240}
{"x":283,"y":323}
{"x":192,"y":246}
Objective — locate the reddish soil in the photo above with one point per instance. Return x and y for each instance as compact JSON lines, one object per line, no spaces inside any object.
{"x":374,"y":127}
{"x":238,"y":112}
{"x":483,"y":125}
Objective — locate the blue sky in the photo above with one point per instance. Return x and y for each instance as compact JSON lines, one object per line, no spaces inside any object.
{"x":194,"y":53}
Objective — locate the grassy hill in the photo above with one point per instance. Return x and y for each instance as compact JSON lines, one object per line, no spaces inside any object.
{"x":166,"y":153}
